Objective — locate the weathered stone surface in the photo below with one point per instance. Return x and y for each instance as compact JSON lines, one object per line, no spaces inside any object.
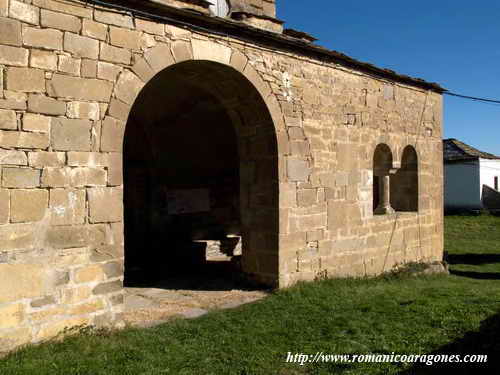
{"x":108,"y":71}
{"x":43,"y":38}
{"x":89,"y":68}
{"x":114,"y":54}
{"x":8,"y":119}
{"x":18,"y":281}
{"x":159,"y":57}
{"x":13,"y":157}
{"x":113,"y":269}
{"x":12,"y":339}
{"x":60,"y":21}
{"x":106,"y":253}
{"x":25,"y":79}
{"x":83,"y":110}
{"x":13,"y":56}
{"x":11,"y":315}
{"x":149,"y":27}
{"x":74,"y":236}
{"x":24,"y":139}
{"x":75,"y":177}
{"x":69,"y":65}
{"x":24,"y":12}
{"x":70,"y":135}
{"x":87,"y":307}
{"x":128,"y":87}
{"x":4,"y":8}
{"x":80,"y":88}
{"x":51,"y":330}
{"x":56,"y":177}
{"x":109,"y":287}
{"x":28,"y":205}
{"x":113,"y":18}
{"x":182,"y":51}
{"x":87,"y":159}
{"x":41,"y":302}
{"x":112,"y":135}
{"x":42,"y":159}
{"x":125,"y":38}
{"x":13,"y":104}
{"x":36,"y":123}
{"x":118,"y":110}
{"x":64,"y":6}
{"x":10,"y":32}
{"x":67,"y":206}
{"x":88,"y":177}
{"x":105,"y":204}
{"x":46,"y":105}
{"x":20,"y":178}
{"x":238,"y":61}
{"x":143,"y":70}
{"x":298,"y":170}
{"x":44,"y":315}
{"x":115,"y":169}
{"x":94,"y":29}
{"x":307,"y":197}
{"x":208,"y":50}
{"x":43,"y":60}
{"x":90,"y":273}
{"x":4,"y":206}
{"x":81,"y":46}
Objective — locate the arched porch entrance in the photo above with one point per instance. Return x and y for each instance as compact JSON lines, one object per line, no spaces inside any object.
{"x":200,"y":176}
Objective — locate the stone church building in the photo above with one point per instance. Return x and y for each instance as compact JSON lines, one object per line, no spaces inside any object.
{"x":133,"y":133}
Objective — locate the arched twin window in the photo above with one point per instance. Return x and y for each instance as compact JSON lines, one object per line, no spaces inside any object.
{"x":404,"y":183}
{"x":394,"y":189}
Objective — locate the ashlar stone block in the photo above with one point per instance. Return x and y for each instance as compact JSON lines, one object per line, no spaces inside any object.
{"x":10,"y":32}
{"x":80,"y":88}
{"x":8,"y":119}
{"x":36,"y":123}
{"x":105,"y":204}
{"x":43,"y":38}
{"x":20,"y":178}
{"x":67,"y":206}
{"x":24,"y":12}
{"x":70,"y":134}
{"x":28,"y":205}
{"x":25,"y":79}
{"x":14,"y":56}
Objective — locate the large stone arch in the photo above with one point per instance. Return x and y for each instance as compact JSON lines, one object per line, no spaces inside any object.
{"x":158,"y":58}
{"x":258,"y":121}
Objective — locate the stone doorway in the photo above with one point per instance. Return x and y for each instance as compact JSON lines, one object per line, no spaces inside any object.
{"x":200,"y":184}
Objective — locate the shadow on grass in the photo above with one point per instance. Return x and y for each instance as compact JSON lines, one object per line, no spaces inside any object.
{"x":483,"y":342}
{"x":477,"y":275}
{"x":475,"y":259}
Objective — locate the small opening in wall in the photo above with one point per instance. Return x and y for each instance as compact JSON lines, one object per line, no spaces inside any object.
{"x":496,"y":183}
{"x":404,"y":183}
{"x":382,"y":166}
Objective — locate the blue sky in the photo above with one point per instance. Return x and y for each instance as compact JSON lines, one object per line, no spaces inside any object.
{"x":454,"y":43}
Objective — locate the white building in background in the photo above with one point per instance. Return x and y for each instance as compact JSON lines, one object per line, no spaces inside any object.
{"x":471,"y":177}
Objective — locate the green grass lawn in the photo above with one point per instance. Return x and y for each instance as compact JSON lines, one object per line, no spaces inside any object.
{"x":402,"y":314}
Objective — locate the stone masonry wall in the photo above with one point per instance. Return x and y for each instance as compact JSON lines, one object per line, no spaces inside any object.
{"x":68,"y":77}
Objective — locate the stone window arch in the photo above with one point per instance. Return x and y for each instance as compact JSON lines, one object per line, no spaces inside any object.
{"x":220,"y":8}
{"x":382,"y":169}
{"x":404,"y":183}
